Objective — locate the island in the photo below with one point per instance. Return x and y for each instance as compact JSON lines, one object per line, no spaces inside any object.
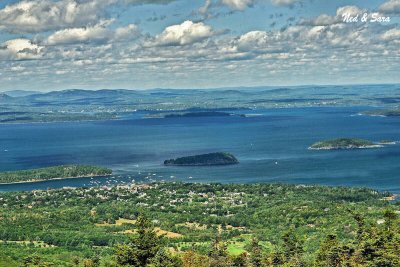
{"x":344,"y":143}
{"x":210,"y":159}
{"x":53,"y":173}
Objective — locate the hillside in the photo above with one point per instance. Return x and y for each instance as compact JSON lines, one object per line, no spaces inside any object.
{"x":202,"y":222}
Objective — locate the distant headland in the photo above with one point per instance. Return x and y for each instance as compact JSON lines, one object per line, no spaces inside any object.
{"x":210,"y":159}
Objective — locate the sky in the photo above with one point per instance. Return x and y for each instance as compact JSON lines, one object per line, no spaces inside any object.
{"x":50,"y":45}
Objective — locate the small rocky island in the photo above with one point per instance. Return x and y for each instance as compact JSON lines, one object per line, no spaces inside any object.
{"x":211,"y":159}
{"x":344,"y":143}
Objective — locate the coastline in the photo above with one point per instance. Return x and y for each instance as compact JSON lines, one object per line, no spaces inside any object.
{"x":57,"y":178}
{"x":61,"y":121}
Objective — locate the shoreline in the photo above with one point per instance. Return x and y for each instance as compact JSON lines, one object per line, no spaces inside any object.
{"x":57,"y":178}
{"x":346,"y":148}
{"x":61,"y":121}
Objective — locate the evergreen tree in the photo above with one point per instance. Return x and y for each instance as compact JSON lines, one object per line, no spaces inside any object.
{"x":142,"y":248}
{"x":256,"y":253}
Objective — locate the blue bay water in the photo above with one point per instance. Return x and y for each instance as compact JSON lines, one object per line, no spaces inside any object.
{"x":271,"y":147}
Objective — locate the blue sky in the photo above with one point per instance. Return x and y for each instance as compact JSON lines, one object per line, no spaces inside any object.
{"x":139,"y":44}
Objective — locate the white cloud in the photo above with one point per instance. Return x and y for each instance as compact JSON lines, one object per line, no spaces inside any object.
{"x":283,"y":2}
{"x":392,"y":34}
{"x":390,"y":7}
{"x":185,"y":33}
{"x":43,"y":15}
{"x":155,"y":2}
{"x":352,"y":10}
{"x":94,"y":34}
{"x":97,"y":33}
{"x":238,"y":4}
{"x":20,"y":49}
{"x":204,"y":9}
{"x":243,"y":4}
{"x":322,"y":20}
{"x":326,"y":20}
{"x":252,"y":40}
{"x":103,"y":52}
{"x":129,"y":32}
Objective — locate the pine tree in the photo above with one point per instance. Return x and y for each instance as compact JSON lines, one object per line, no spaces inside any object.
{"x":256,"y":253}
{"x":142,"y":248}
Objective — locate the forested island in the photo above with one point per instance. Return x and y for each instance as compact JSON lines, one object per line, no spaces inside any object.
{"x":56,"y":172}
{"x":200,"y":225}
{"x":343,"y":143}
{"x":218,"y":158}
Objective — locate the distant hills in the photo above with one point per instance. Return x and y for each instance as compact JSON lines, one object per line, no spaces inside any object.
{"x":20,"y":93}
{"x":79,"y":104}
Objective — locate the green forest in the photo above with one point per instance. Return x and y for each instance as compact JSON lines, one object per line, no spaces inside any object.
{"x":196,"y":225}
{"x":56,"y":172}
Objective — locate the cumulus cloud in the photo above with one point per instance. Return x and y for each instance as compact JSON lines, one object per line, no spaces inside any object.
{"x":352,"y":10}
{"x":326,"y":20}
{"x":143,"y":2}
{"x":20,"y":49}
{"x":311,"y":49}
{"x":93,"y":34}
{"x":390,"y":7}
{"x":238,"y":4}
{"x":130,"y":32}
{"x":243,"y":4}
{"x":253,"y":40}
{"x":97,"y":33}
{"x":204,"y":9}
{"x":186,"y":33}
{"x":283,"y":2}
{"x":44,"y":15}
{"x":390,"y":35}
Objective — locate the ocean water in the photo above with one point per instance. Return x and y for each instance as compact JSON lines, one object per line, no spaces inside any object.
{"x":271,"y":147}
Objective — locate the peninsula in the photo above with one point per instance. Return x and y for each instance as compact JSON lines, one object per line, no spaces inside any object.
{"x":218,"y":158}
{"x":53,"y":173}
{"x":344,"y":143}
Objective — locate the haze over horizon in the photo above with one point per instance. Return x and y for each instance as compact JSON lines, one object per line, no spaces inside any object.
{"x":145,"y":44}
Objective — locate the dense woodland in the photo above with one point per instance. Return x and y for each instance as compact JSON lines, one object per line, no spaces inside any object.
{"x":178,"y":224}
{"x":67,"y":171}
